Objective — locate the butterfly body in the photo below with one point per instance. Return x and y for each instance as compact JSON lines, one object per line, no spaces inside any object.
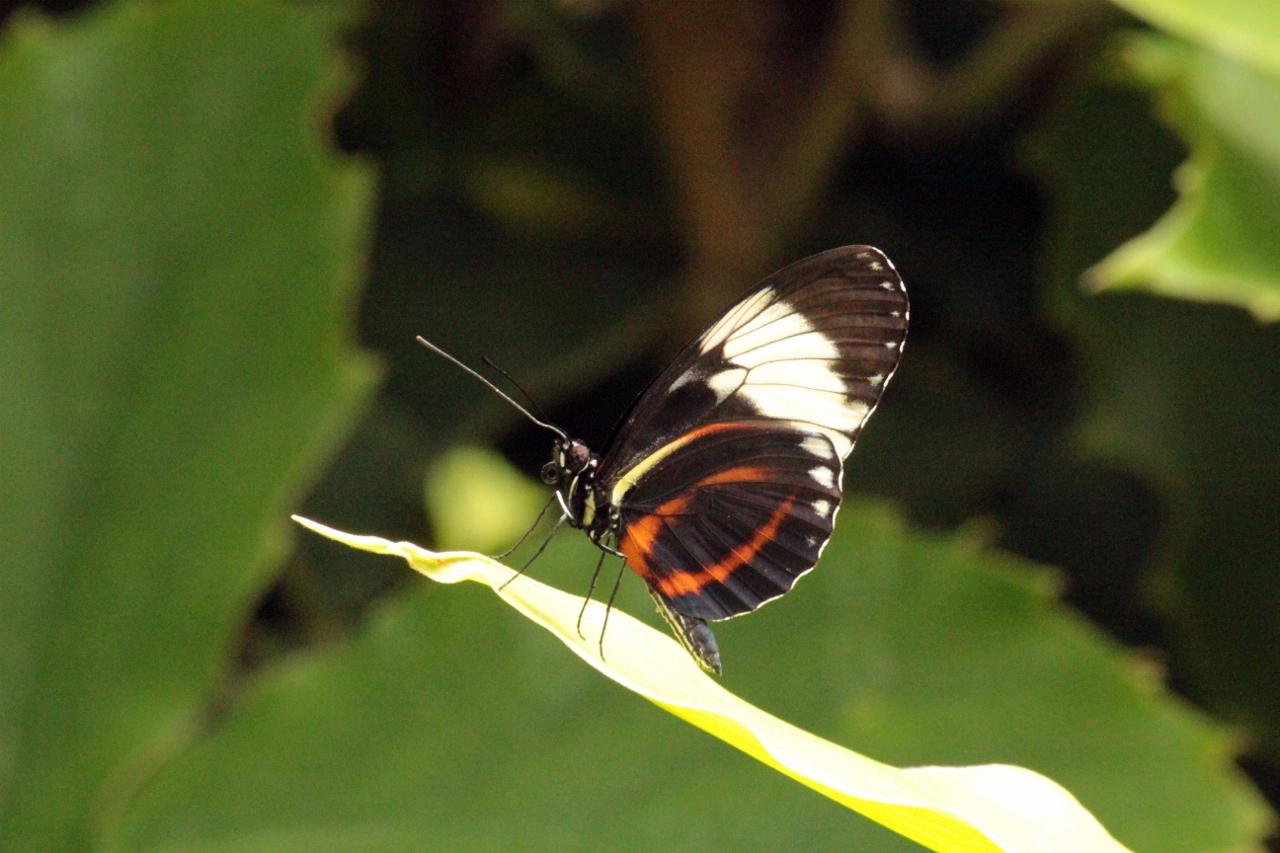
{"x":722,"y":483}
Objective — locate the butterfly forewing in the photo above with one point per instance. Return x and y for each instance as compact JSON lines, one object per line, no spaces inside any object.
{"x":814,"y":344}
{"x":726,"y":474}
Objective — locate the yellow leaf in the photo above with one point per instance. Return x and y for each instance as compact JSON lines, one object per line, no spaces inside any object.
{"x":987,"y":808}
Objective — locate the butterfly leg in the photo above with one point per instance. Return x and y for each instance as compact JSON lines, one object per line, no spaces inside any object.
{"x":528,"y":532}
{"x":608,"y":550}
{"x":608,"y":608}
{"x":596,"y":538}
{"x":594,"y":577}
{"x":536,"y":554}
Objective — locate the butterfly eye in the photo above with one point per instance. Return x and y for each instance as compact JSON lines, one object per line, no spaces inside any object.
{"x":551,"y":473}
{"x":576,"y":457}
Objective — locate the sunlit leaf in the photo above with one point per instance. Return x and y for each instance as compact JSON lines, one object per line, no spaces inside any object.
{"x":994,"y":807}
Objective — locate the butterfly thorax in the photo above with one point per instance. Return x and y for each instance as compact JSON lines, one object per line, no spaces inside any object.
{"x":572,"y":470}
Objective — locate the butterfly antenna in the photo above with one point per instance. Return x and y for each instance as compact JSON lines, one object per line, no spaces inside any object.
{"x":519,"y":387}
{"x":494,"y":388}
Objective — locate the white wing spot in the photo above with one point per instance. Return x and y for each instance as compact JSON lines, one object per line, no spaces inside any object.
{"x":887,"y":285}
{"x":876,"y":265}
{"x":791,"y":373}
{"x":819,"y":447}
{"x":822,"y":476}
{"x":831,"y":410}
{"x":891,"y":344}
{"x":782,"y":367}
{"x":864,"y":255}
{"x":776,"y":333}
{"x":822,"y":508}
{"x":812,"y":373}
{"x":726,"y":382}
{"x":839,"y":440}
{"x":812,"y":541}
{"x":895,"y":313}
{"x":876,"y":381}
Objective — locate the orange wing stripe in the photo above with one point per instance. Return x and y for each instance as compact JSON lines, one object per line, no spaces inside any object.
{"x":685,"y":583}
{"x":741,"y":474}
{"x":638,"y":543}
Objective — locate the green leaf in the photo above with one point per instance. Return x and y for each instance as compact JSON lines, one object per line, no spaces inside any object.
{"x":176,"y":251}
{"x":1248,"y":30}
{"x":1218,"y":243}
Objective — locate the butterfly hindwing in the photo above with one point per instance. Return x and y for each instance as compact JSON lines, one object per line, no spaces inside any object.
{"x":732,"y":516}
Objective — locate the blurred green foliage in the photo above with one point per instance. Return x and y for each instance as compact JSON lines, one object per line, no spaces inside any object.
{"x":478,"y":502}
{"x":1217,"y":244}
{"x":1247,"y":30}
{"x":1187,"y":395}
{"x":178,"y":254}
{"x":178,"y":268}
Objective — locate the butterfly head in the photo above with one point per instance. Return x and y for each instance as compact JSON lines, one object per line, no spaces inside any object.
{"x":569,"y":458}
{"x":572,"y":470}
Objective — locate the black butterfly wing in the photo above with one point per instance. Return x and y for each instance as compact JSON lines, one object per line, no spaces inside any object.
{"x":726,"y":474}
{"x":732,"y":517}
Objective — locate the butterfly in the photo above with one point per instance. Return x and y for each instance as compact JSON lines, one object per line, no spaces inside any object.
{"x":721,"y":484}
